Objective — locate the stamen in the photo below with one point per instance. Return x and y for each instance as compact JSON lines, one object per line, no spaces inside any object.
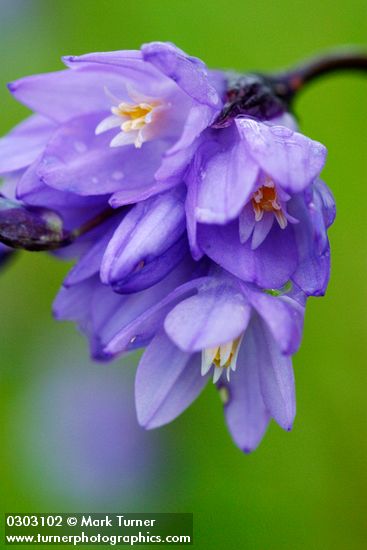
{"x":133,"y":120}
{"x":265,"y":199}
{"x":223,"y":358}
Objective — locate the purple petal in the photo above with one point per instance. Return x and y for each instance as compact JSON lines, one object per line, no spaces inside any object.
{"x":147,"y":231}
{"x":191,"y":200}
{"x":283,"y":316}
{"x":129,"y":69}
{"x":246,"y":414}
{"x":269,"y":266}
{"x":73,"y":304}
{"x":214,"y":316}
{"x":327,"y":200}
{"x":74,"y":209}
{"x":90,"y":263}
{"x":189,"y":73}
{"x":78,"y":161}
{"x":290,"y":158}
{"x":138,"y":193}
{"x":276,"y":378}
{"x":167,"y":381}
{"x":199,"y":117}
{"x":246,"y":222}
{"x":262,"y":229}
{"x":140,"y":329}
{"x":62,"y":95}
{"x":226,"y":181}
{"x":313,"y":271}
{"x":153,"y":271}
{"x":24,"y":143}
{"x":127,"y":322}
{"x":173,"y":167}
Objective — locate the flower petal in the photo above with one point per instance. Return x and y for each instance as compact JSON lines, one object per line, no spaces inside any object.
{"x":214,"y":316}
{"x":198,"y":118}
{"x":283,"y":316}
{"x":90,"y":262}
{"x":262,"y":229}
{"x":276,"y":378}
{"x":138,"y":193}
{"x":153,"y":271}
{"x":269,"y":266}
{"x":128,"y":67}
{"x":147,"y":231}
{"x":244,"y":408}
{"x":168,"y":380}
{"x":225,"y":183}
{"x":74,"y":209}
{"x":78,"y":161}
{"x":288,"y":157}
{"x":313,"y":271}
{"x":189,"y":73}
{"x":246,"y":222}
{"x":140,"y":329}
{"x":24,"y":144}
{"x":63,"y":95}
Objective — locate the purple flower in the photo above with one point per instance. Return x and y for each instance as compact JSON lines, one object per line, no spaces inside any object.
{"x":157,"y":97}
{"x":194,"y":326}
{"x":251,"y":203}
{"x":197,"y":217}
{"x":135,"y":131}
{"x":114,"y":131}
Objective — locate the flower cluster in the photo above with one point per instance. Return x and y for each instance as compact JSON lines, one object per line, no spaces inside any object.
{"x":196,"y":239}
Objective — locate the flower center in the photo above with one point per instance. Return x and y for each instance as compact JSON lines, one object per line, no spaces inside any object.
{"x":221,"y":357}
{"x":136,"y":120}
{"x":265,"y":199}
{"x":135,"y":117}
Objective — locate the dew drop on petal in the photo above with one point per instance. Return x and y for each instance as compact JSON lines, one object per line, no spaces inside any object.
{"x":281,"y":131}
{"x":117,"y":175}
{"x":80,"y":147}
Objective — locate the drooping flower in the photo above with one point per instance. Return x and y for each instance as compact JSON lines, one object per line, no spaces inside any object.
{"x":135,"y":129}
{"x":77,"y":159}
{"x":192,"y":211}
{"x":250,"y":195}
{"x":194,"y":324}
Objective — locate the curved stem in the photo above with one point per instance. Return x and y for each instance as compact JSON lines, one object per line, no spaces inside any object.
{"x":287,"y":84}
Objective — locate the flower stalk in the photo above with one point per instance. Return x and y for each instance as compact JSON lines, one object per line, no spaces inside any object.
{"x":287,"y":84}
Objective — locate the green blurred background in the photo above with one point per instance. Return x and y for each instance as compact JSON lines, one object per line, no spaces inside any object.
{"x":299,"y":490}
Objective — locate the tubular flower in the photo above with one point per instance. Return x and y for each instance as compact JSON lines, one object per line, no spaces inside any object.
{"x":142,"y":133}
{"x":196,"y":327}
{"x":248,"y":203}
{"x":198,"y":222}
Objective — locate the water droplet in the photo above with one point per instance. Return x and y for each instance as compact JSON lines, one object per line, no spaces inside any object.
{"x":117,"y":175}
{"x":213,"y":96}
{"x":80,"y":147}
{"x":49,"y":160}
{"x":281,"y":131}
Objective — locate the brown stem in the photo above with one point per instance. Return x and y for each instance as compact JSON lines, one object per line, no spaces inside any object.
{"x":287,"y":84}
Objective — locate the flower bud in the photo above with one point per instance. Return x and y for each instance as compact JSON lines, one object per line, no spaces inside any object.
{"x":31,"y":227}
